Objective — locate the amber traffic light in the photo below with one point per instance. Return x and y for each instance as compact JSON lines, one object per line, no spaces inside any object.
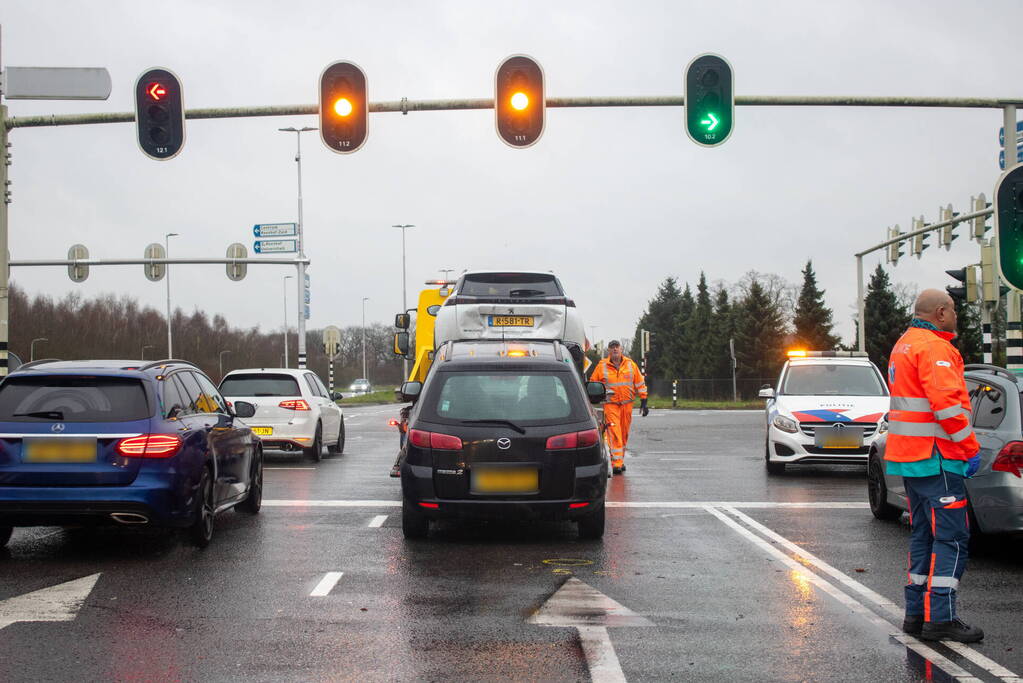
{"x":344,"y":107}
{"x":519,"y":101}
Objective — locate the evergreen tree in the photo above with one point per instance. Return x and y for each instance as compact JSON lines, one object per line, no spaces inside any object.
{"x":969,"y":335}
{"x":697,"y":339}
{"x":722,"y":328}
{"x":813,"y":319}
{"x":659,"y":319}
{"x":759,"y":334}
{"x":886,"y":319}
{"x":681,"y":351}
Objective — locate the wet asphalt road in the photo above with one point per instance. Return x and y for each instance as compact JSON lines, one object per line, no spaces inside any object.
{"x":701,"y":543}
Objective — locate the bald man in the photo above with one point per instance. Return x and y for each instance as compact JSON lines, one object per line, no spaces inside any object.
{"x":931,"y":445}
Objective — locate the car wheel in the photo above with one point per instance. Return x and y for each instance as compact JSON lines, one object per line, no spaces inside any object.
{"x":591,"y":527}
{"x":414,"y":524}
{"x":772,"y":467}
{"x":254,"y":501}
{"x":339,"y":447}
{"x":5,"y":535}
{"x":201,"y":531}
{"x":316,"y":450}
{"x":877,"y":493}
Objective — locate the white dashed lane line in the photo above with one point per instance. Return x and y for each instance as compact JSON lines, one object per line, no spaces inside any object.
{"x":377,"y":521}
{"x":326,"y":584}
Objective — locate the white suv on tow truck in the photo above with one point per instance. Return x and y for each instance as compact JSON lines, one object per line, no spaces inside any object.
{"x":829,"y":408}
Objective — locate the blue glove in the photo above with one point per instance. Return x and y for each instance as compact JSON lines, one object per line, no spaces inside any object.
{"x":972,"y":465}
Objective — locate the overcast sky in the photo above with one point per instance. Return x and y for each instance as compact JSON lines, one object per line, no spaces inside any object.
{"x":612,"y":200}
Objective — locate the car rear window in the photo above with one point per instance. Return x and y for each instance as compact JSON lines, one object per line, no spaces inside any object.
{"x":260,"y":385}
{"x":514,"y":396}
{"x":73,"y":399}
{"x":506,"y":285}
{"x":821,"y":379}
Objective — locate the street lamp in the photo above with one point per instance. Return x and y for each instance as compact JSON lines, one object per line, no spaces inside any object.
{"x":404,"y":302}
{"x":170,"y":343}
{"x":144,"y":347}
{"x":446,"y":271}
{"x":222,"y":362}
{"x":301,"y":245}
{"x":286,"y":278}
{"x":364,"y":300}
{"x":32,"y":348}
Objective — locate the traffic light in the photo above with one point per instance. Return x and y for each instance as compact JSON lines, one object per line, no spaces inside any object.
{"x":709,"y":100}
{"x":895,"y":250}
{"x":980,"y":226}
{"x":159,"y":114}
{"x":919,"y":241}
{"x":969,"y":292}
{"x":344,"y":107}
{"x":520,"y":101}
{"x":1009,"y":226}
{"x":948,"y":232}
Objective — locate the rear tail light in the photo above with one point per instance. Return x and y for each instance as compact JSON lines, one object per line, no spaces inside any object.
{"x":1010,"y":459}
{"x":149,"y":446}
{"x":572,"y":440}
{"x":444,"y":442}
{"x":576,"y":506}
{"x":295,"y":404}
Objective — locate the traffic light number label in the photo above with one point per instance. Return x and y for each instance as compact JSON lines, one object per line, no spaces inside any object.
{"x":163,"y":150}
{"x":520,"y":138}
{"x":344,"y":143}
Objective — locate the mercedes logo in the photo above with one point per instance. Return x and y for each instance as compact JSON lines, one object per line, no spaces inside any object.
{"x":58,"y":427}
{"x":504,"y":444}
{"x":839,"y":427}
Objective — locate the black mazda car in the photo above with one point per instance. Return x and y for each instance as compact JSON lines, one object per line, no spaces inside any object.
{"x":503,"y":430}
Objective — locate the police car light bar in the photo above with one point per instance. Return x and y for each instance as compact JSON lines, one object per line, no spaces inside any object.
{"x":800,"y":353}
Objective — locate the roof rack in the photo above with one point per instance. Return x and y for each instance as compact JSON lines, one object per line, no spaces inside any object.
{"x":993,"y":369}
{"x":33,"y":363}
{"x":166,"y":361}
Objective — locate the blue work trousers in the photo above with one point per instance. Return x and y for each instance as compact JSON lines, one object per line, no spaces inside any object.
{"x":938,"y":546}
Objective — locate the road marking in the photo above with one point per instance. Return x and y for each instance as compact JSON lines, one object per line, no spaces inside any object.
{"x":920,"y":648}
{"x":326,"y":584}
{"x":989,"y":665}
{"x":332,"y":503}
{"x":56,"y":603}
{"x":265,"y":469}
{"x":668,"y":505}
{"x":691,"y":457}
{"x":377,"y":521}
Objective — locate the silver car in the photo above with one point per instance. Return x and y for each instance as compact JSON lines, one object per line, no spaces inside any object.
{"x":995,"y":492}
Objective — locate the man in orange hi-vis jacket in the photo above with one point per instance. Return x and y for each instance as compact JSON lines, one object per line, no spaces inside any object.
{"x":931,"y":445}
{"x":624,"y":381}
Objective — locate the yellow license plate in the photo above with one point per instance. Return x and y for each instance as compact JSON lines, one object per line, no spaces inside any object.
{"x":847,"y":438}
{"x":262,"y":431}
{"x":506,"y":480}
{"x":59,"y":450}
{"x":511,"y":321}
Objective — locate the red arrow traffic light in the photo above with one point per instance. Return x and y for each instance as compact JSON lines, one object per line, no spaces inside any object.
{"x":156,"y":91}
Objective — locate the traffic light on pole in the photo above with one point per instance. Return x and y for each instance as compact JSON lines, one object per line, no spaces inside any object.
{"x":1009,"y":226}
{"x":895,"y":250}
{"x":919,"y":241}
{"x":969,"y":292}
{"x":980,"y":226}
{"x":159,"y":114}
{"x":709,"y":100}
{"x":344,"y":107}
{"x":947,"y":232}
{"x":520,"y":101}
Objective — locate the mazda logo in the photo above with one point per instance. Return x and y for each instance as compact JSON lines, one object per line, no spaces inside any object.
{"x":504,"y":444}
{"x":59,"y":427}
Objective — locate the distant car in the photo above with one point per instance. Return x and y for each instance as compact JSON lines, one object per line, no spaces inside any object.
{"x":123,"y":442}
{"x":995,"y":492}
{"x":294,"y":410}
{"x":828,"y":409}
{"x":360,"y":386}
{"x":503,"y":430}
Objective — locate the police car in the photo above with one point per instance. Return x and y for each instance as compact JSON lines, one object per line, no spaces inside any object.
{"x":829,"y":408}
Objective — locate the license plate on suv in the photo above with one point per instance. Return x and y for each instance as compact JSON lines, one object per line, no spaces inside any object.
{"x":498,"y":480}
{"x":511,"y":321}
{"x":59,"y":450}
{"x":838,"y":437}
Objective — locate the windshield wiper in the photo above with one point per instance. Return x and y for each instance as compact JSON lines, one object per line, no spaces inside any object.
{"x":51,"y":414}
{"x":511,"y":424}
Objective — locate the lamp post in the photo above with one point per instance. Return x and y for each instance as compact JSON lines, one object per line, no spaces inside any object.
{"x":144,"y":347}
{"x":170,"y":342}
{"x":286,"y":278}
{"x":446,"y":271}
{"x":404,"y":302}
{"x":301,"y":245}
{"x":364,"y":300}
{"x":32,"y":348}
{"x":222,"y":362}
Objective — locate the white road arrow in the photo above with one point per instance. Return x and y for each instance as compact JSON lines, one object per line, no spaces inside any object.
{"x":591,"y":612}
{"x":56,"y":603}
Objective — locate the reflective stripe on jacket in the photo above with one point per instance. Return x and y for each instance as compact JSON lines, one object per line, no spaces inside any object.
{"x":929,"y":405}
{"x":623,"y":382}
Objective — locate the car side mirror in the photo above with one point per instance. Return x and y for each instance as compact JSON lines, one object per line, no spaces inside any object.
{"x":336,"y":396}
{"x":401,"y":343}
{"x":596,"y":392}
{"x":244,"y":409}
{"x":402,"y":321}
{"x":410,"y":391}
{"x":766,"y":391}
{"x":433,"y":310}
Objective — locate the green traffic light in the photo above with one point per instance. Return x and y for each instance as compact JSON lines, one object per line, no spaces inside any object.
{"x":711,"y":122}
{"x":709,"y":100}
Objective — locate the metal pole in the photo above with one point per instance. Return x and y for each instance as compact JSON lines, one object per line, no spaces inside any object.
{"x":4,"y":269}
{"x":170,"y":342}
{"x":860,"y":305}
{"x":1009,"y":125}
{"x":300,"y":280}
{"x":674,"y":393}
{"x":1013,"y":333}
{"x":364,"y":300}
{"x":286,"y":278}
{"x":222,"y":362}
{"x":735,"y":388}
{"x":32,"y":348}
{"x":404,"y":299}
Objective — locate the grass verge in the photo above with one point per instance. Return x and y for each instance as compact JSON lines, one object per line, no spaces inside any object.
{"x":693,"y":404}
{"x":374,"y":398}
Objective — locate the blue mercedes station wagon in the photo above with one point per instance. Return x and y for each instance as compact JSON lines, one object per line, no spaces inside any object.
{"x":126,"y":443}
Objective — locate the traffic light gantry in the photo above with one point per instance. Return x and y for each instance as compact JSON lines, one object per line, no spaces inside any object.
{"x":159,"y":114}
{"x":344,"y":107}
{"x":520,"y":101}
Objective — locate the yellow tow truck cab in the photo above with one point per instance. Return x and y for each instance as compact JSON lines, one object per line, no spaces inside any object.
{"x":430,"y":301}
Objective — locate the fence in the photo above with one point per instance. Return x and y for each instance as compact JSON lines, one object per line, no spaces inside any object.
{"x":710,"y":389}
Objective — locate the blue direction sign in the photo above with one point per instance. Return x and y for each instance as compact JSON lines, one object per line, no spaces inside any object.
{"x":1001,"y":133}
{"x":275,"y":246}
{"x":275,"y":229}
{"x":1001,"y":157}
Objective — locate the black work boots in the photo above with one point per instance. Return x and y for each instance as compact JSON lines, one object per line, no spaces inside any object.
{"x":956,"y":630}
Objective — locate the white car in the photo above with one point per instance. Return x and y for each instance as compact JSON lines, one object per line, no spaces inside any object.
{"x":294,"y":410}
{"x":513,"y":305}
{"x":360,"y":386}
{"x":829,"y":408}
